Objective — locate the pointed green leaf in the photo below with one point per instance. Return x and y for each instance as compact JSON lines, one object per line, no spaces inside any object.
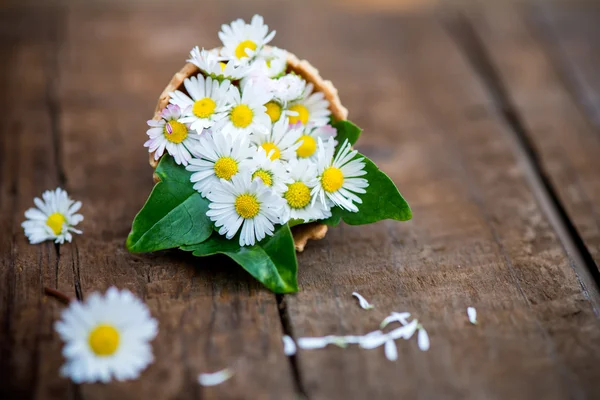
{"x":382,"y":201}
{"x":272,"y":261}
{"x":174,"y":214}
{"x":346,"y":130}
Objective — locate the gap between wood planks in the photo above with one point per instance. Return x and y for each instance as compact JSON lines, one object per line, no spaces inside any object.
{"x":469,"y":43}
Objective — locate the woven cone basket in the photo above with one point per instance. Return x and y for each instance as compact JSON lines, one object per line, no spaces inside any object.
{"x":304,"y":232}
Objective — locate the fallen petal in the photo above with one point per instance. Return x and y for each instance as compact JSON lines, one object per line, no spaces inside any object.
{"x":395,"y":317}
{"x":308,"y":343}
{"x":404,"y":332}
{"x":423,"y":340}
{"x":472,"y":314}
{"x":289,"y":347}
{"x":364,"y":304}
{"x":215,"y":378}
{"x":391,"y":351}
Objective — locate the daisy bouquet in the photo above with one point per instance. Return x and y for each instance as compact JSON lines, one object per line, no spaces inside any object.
{"x":253,"y":157}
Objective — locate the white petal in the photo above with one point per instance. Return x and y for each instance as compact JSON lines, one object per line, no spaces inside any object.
{"x":423,"y":339}
{"x":289,"y":347}
{"x":364,"y":304}
{"x":391,"y":352}
{"x":395,"y":317}
{"x":215,"y":378}
{"x":472,"y":314}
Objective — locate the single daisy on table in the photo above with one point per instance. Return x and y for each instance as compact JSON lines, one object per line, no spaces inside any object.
{"x":207,"y":102}
{"x":247,"y":113}
{"x":241,"y":41}
{"x":106,"y":337}
{"x":172,"y":134}
{"x":339,"y":177}
{"x":272,"y":172}
{"x":215,"y":66}
{"x":218,"y":156}
{"x":54,"y":218}
{"x":312,"y":108}
{"x":298,"y":196}
{"x":281,"y":143}
{"x":309,"y":140}
{"x":246,"y":203}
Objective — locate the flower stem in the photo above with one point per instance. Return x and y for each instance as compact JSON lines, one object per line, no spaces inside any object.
{"x":60,"y":296}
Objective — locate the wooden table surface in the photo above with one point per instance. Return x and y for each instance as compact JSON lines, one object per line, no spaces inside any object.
{"x":487,"y":118}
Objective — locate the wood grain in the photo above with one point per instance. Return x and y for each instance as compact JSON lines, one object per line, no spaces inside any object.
{"x":478,"y":238}
{"x":565,"y":140}
{"x":82,"y":78}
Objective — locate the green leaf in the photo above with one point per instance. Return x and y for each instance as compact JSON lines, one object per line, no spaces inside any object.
{"x":174,"y":214}
{"x":382,"y":201}
{"x":346,"y":130}
{"x":272,"y":261}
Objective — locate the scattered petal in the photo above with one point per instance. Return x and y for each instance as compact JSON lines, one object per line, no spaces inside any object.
{"x":472,"y":314}
{"x":423,"y":339}
{"x":364,"y":304}
{"x":395,"y":317}
{"x":289,"y":347}
{"x":373,"y":339}
{"x":215,"y":378}
{"x":309,"y":343}
{"x":406,"y":331}
{"x":391,"y":351}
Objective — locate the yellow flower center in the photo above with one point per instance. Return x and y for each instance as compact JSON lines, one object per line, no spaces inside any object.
{"x":223,"y":65}
{"x":241,"y":116}
{"x":226,"y":167}
{"x":266,"y":176}
{"x":308,"y":146}
{"x":204,"y":108}
{"x":247,"y":206}
{"x":332,"y":179}
{"x":240,"y":50}
{"x":273,"y":111}
{"x":269,"y":146}
{"x":302,"y":116}
{"x":55,"y":222}
{"x":178,"y":132}
{"x":297,"y":195}
{"x":104,"y":340}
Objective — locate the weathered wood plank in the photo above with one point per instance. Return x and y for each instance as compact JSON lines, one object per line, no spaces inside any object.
{"x":28,"y":167}
{"x":212,"y":315}
{"x":571,"y":33}
{"x":478,"y":237}
{"x":562,"y":136}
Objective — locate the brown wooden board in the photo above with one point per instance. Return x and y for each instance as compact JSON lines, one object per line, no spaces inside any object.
{"x":478,"y":237}
{"x":80,"y":82}
{"x":564,"y":139}
{"x":571,"y":33}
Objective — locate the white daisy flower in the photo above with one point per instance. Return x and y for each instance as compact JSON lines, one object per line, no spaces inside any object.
{"x":312,"y":108}
{"x":219,"y":156}
{"x":215,"y":66}
{"x":288,"y":88}
{"x":248,"y":113}
{"x":272,"y":62}
{"x":171,"y":134}
{"x":246,"y":203}
{"x":208,"y":103}
{"x":272,"y":172}
{"x":54,"y":218}
{"x":298,"y":204}
{"x":106,"y":337}
{"x":242,"y":41}
{"x":281,"y":142}
{"x":310,"y":137}
{"x":338,"y":178}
